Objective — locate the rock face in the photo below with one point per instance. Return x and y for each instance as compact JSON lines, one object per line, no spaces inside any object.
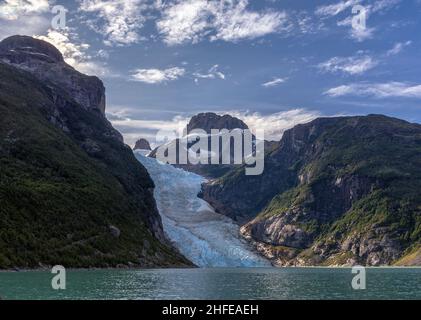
{"x":45,"y":62}
{"x":142,"y":144}
{"x":336,"y":191}
{"x":71,"y":191}
{"x":209,"y":120}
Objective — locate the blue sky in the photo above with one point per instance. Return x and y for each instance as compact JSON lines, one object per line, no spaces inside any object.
{"x":273,"y":63}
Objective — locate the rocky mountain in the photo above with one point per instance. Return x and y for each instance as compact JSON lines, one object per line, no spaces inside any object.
{"x":46,"y":63}
{"x":336,"y":191}
{"x":71,"y":191}
{"x":142,"y":144}
{"x":209,"y":120}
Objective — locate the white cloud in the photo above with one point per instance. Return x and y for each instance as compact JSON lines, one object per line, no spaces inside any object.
{"x":336,"y":8}
{"x":176,"y":123}
{"x":308,"y":24}
{"x":184,"y":21}
{"x":75,"y":54}
{"x":193,"y":20}
{"x":234,"y":22}
{"x":213,"y":73}
{"x":275,"y":82}
{"x":382,"y":5}
{"x":351,"y":65}
{"x":23,"y":17}
{"x":133,"y":129}
{"x":398,"y":47}
{"x":153,"y":76}
{"x":27,"y":25}
{"x":359,"y":34}
{"x":275,"y":124}
{"x":119,"y":20}
{"x":339,"y":7}
{"x":13,"y":9}
{"x":377,"y":90}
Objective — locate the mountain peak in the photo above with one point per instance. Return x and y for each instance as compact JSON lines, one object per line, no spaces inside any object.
{"x":45,"y":62}
{"x":30,"y":46}
{"x":142,"y":144}
{"x":209,"y":120}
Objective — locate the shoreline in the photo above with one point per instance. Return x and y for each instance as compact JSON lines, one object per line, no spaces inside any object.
{"x":212,"y":268}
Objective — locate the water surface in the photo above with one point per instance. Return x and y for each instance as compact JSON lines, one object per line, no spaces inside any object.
{"x":217,"y":283}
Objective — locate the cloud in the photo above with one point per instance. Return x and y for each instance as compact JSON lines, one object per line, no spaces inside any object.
{"x":75,"y":53}
{"x":185,"y":21}
{"x":275,"y":124}
{"x":339,"y":7}
{"x":398,"y":48}
{"x":13,"y":9}
{"x":193,"y":20}
{"x":119,"y":20}
{"x":176,"y":123}
{"x":308,"y":24}
{"x":351,"y":65}
{"x":24,"y":25}
{"x":377,"y":90}
{"x":234,"y":22}
{"x":359,"y":34}
{"x":132,"y":129}
{"x":213,"y":73}
{"x":383,"y":5}
{"x":153,"y":76}
{"x":336,"y":8}
{"x":275,"y":82}
{"x":23,"y":17}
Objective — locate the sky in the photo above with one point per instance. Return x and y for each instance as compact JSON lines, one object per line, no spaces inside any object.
{"x":272,"y":63}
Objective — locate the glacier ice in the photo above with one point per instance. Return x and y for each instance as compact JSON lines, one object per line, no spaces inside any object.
{"x":205,"y":237}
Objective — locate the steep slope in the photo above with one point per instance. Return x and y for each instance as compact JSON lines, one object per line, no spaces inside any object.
{"x":46,"y":62}
{"x":71,"y":192}
{"x":336,"y":191}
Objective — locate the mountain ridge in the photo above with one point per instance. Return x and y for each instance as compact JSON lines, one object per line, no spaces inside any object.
{"x":71,"y":192}
{"x":324,"y":177}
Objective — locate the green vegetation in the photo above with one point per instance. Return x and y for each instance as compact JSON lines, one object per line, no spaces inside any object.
{"x":355,"y":179}
{"x":57,"y":202}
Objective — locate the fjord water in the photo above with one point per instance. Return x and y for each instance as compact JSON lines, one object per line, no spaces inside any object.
{"x":216,"y":283}
{"x":204,"y":237}
{"x":209,"y":240}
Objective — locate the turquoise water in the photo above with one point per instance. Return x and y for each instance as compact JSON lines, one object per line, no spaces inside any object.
{"x":218,"y":283}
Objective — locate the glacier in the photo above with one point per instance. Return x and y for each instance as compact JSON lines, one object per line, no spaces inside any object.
{"x":203,"y":236}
